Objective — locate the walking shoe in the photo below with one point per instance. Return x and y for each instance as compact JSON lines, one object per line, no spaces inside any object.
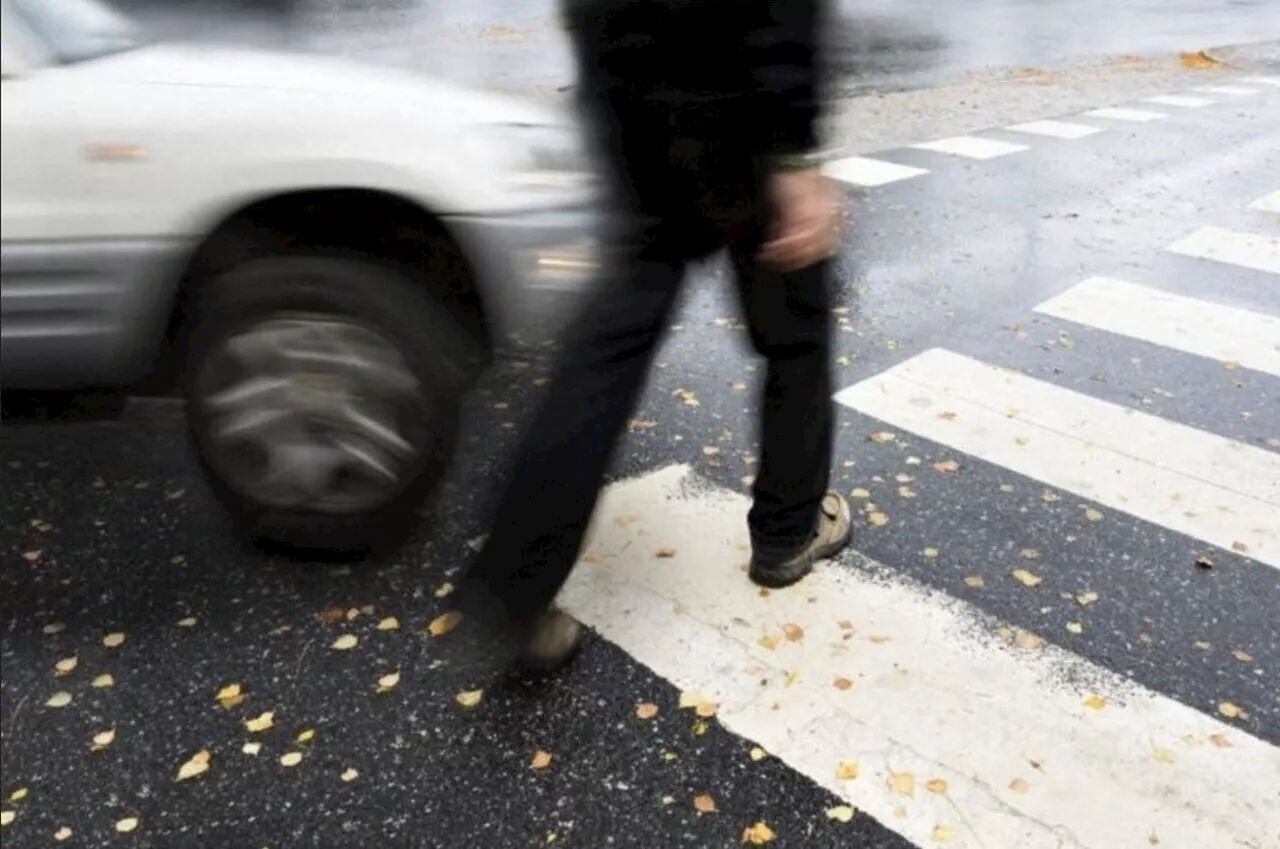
{"x":782,"y":569}
{"x":552,"y":641}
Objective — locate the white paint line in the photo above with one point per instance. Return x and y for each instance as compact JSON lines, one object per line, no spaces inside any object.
{"x":1267,"y":203}
{"x":862,"y":171}
{"x":1173,"y":321}
{"x":936,"y":693}
{"x":1119,"y":114}
{"x":1218,"y":490}
{"x":1180,"y":100}
{"x":1232,"y":246}
{"x":972,"y":147}
{"x":1056,"y":129}
{"x":1229,"y":90}
{"x":1274,"y":81}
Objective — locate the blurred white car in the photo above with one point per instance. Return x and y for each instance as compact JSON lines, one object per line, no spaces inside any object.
{"x":325,"y":253}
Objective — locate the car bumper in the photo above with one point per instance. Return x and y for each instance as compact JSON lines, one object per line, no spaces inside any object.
{"x":530,"y":263}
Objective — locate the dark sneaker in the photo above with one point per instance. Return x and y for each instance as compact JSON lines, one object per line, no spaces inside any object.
{"x":552,"y":641}
{"x":782,"y":569}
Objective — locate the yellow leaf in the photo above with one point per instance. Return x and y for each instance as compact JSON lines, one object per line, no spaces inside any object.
{"x":18,"y":795}
{"x":768,"y":642}
{"x":63,"y":833}
{"x":127,"y":825}
{"x":1163,"y":755}
{"x":104,"y":738}
{"x":113,"y":640}
{"x":261,"y":722}
{"x":878,"y":639}
{"x":349,"y":775}
{"x":877,"y":518}
{"x":103,"y":680}
{"x":198,"y":764}
{"x":706,"y":710}
{"x":1230,"y":710}
{"x":306,"y":735}
{"x":931,"y":553}
{"x":847,"y":770}
{"x":65,"y":666}
{"x":541,"y":760}
{"x":187,"y":622}
{"x":291,"y":759}
{"x":388,"y":682}
{"x":902,"y":783}
{"x":881,"y":437}
{"x":691,"y":698}
{"x":345,"y":643}
{"x":1029,"y":554}
{"x":6,"y":817}
{"x":943,"y":834}
{"x":251,"y":748}
{"x":1092,"y":515}
{"x":936,"y":785}
{"x":699,"y":728}
{"x":1019,"y":786}
{"x":840,"y":813}
{"x":1027,"y":579}
{"x":230,"y":696}
{"x":59,"y":699}
{"x":974,"y":581}
{"x":793,"y":633}
{"x":758,"y":754}
{"x":1086,"y":599}
{"x":647,"y":710}
{"x":842,"y":683}
{"x":445,"y":589}
{"x":389,"y":623}
{"x":861,"y":494}
{"x":1075,"y":627}
{"x":469,"y":698}
{"x":758,"y":834}
{"x":1027,"y":640}
{"x":1095,"y":702}
{"x":704,"y":804}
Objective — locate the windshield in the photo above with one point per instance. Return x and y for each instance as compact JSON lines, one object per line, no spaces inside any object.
{"x":75,"y":30}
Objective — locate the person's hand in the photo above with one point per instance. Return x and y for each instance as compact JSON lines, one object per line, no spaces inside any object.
{"x":808,"y":219}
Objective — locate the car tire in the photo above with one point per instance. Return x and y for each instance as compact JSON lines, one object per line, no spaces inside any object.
{"x":419,"y":350}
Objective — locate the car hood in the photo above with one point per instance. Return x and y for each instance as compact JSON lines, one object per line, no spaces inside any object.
{"x":370,"y":85}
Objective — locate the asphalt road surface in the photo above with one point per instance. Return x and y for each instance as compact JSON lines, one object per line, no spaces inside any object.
{"x":1060,"y":428}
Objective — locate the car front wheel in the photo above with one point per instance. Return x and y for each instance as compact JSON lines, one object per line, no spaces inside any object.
{"x":323,"y":398}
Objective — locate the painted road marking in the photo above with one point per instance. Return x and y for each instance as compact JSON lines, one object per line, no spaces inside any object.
{"x":1218,"y":490}
{"x":972,"y":147}
{"x":1230,"y":90}
{"x":1119,"y":114}
{"x":1232,"y":246}
{"x":1173,"y":321}
{"x":1056,"y":129}
{"x":1274,"y":81}
{"x":1180,"y":100}
{"x":935,"y":693}
{"x":862,"y":171}
{"x":1267,"y":203}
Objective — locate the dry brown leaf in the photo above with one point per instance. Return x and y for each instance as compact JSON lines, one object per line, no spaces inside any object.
{"x":291,"y":759}
{"x":444,"y":623}
{"x":975,"y":581}
{"x":65,"y":666}
{"x":388,"y":682}
{"x":350,"y":774}
{"x":665,"y":553}
{"x":469,"y":698}
{"x":936,"y":785}
{"x":758,"y":834}
{"x":1027,"y":640}
{"x":261,"y":722}
{"x":902,"y":783}
{"x":388,"y":623}
{"x":768,"y":642}
{"x":847,"y":770}
{"x":59,"y":699}
{"x":877,"y":518}
{"x":842,"y":684}
{"x":1019,"y":786}
{"x":1029,"y":554}
{"x":704,"y":804}
{"x":1230,"y":710}
{"x":1095,"y":702}
{"x":878,"y":639}
{"x":646,"y":710}
{"x":541,"y":760}
{"x":943,"y":834}
{"x":230,"y":696}
{"x":126,"y":825}
{"x":947,"y":416}
{"x":1239,"y":547}
{"x":881,"y":437}
{"x":840,"y":813}
{"x":103,"y":680}
{"x":687,"y":396}
{"x":113,"y":640}
{"x":1219,"y":741}
{"x":794,"y":633}
{"x":331,"y":614}
{"x":946,"y":467}
{"x":345,"y":643}
{"x":198,"y":764}
{"x":1027,"y":579}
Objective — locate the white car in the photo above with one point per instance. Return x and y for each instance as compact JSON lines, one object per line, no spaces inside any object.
{"x":324,"y":253}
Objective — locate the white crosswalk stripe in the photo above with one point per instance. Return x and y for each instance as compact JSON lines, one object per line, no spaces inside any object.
{"x":1056,"y":129}
{"x":1250,"y":250}
{"x":1120,"y":114}
{"x":864,"y":171}
{"x":1180,"y":100}
{"x":972,"y":147}
{"x":1267,"y":203}
{"x":1272,"y":81}
{"x":1229,"y":90}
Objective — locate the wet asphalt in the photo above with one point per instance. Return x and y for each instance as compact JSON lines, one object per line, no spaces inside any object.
{"x":108,"y":529}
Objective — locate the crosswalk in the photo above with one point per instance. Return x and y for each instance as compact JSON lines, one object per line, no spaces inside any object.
{"x":919,"y":708}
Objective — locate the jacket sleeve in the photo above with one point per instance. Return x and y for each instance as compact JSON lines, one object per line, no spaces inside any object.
{"x":783,"y":52}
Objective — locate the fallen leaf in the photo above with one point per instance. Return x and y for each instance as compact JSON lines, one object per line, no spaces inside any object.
{"x":906,"y":492}
{"x":1092,"y":515}
{"x":975,"y":581}
{"x":1019,"y":786}
{"x":947,"y":416}
{"x":1202,"y":645}
{"x":63,"y":833}
{"x":931,"y":553}
{"x":332,"y":614}
{"x":860,"y":493}
{"x":877,"y":518}
{"x":794,"y":633}
{"x":1006,"y":487}
{"x":31,"y":556}
{"x":691,"y":699}
{"x":349,"y":775}
{"x":103,"y":739}
{"x":541,"y":760}
{"x":444,"y":623}
{"x":1219,"y":741}
{"x":388,"y":682}
{"x":389,"y":623}
{"x":1230,"y":365}
{"x":847,"y":770}
{"x":687,"y":396}
{"x":1240,"y":547}
{"x":878,"y":639}
{"x":706,"y":710}
{"x":54,"y":628}
{"x":881,"y":437}
{"x":1230,"y":710}
{"x":936,"y":785}
{"x":59,"y":699}
{"x":665,"y":553}
{"x":1086,"y":599}
{"x":103,"y":680}
{"x":1243,"y":656}
{"x":943,"y":834}
{"x":113,"y":640}
{"x":261,"y":722}
{"x":1163,"y":755}
{"x":1050,"y":497}
{"x":840,"y":813}
{"x":758,"y":834}
{"x":18,"y":795}
{"x":1095,"y":702}
{"x":1027,"y":640}
{"x":65,"y":666}
{"x":758,"y":754}
{"x":306,"y":735}
{"x":699,"y":728}
{"x":704,"y":804}
{"x":1204,"y":562}
{"x":1075,"y":627}
{"x":291,"y":759}
{"x":126,"y":825}
{"x":469,"y":698}
{"x":842,"y":684}
{"x":768,"y":642}
{"x":229,"y":696}
{"x":6,"y":817}
{"x":445,"y":589}
{"x":253,"y":747}
{"x":902,"y":783}
{"x":198,"y":764}
{"x":946,"y":467}
{"x":1027,"y":579}
{"x":1029,"y":554}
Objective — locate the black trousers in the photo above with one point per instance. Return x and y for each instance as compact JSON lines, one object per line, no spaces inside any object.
{"x":683,"y":193}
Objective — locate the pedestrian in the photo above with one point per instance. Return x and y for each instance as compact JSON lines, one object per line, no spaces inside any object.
{"x":705,"y":114}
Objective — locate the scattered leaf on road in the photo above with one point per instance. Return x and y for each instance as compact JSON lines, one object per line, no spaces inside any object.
{"x":704,"y":804}
{"x":6,"y":817}
{"x":103,"y":680}
{"x":931,"y":553}
{"x":1230,"y":710}
{"x":1092,"y":515}
{"x":943,"y":834}
{"x":198,"y":764}
{"x":794,"y":633}
{"x":706,"y":710}
{"x":1086,"y":599}
{"x":113,"y":640}
{"x":768,"y":642}
{"x":1027,"y":579}
{"x":253,"y":747}
{"x":647,"y":710}
{"x":59,"y":699}
{"x":847,"y":770}
{"x":541,"y":760}
{"x":975,"y":581}
{"x":842,"y":683}
{"x":18,"y":795}
{"x":1095,"y":702}
{"x":881,"y":437}
{"x":349,"y":775}
{"x":261,"y":722}
{"x":389,"y":623}
{"x":291,"y":759}
{"x":469,"y":698}
{"x":306,"y":735}
{"x":1219,"y":741}
{"x":53,"y":628}
{"x":860,"y":493}
{"x":444,"y":590}
{"x":103,"y":739}
{"x":758,"y":754}
{"x":665,"y":553}
{"x":758,"y":834}
{"x":63,"y":833}
{"x":388,"y":682}
{"x":345,"y":643}
{"x":840,"y":813}
{"x":877,"y":518}
{"x":902,"y":783}
{"x":1019,"y":786}
{"x":1027,"y":640}
{"x":1242,"y":656}
{"x":444,"y":623}
{"x":1075,"y":627}
{"x":946,"y":467}
{"x":65,"y":666}
{"x":230,"y":696}
{"x":127,"y":825}
{"x":936,"y":785}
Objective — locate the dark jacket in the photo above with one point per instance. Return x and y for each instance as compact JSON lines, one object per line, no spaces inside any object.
{"x":744,"y":70}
